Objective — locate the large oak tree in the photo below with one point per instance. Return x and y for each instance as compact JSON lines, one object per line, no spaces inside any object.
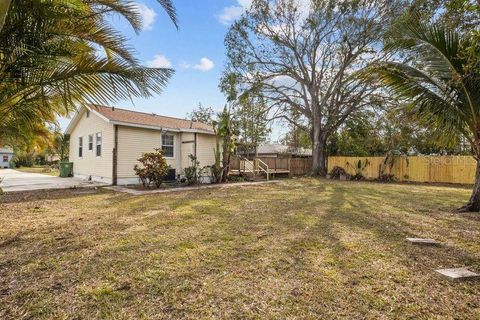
{"x":304,"y":56}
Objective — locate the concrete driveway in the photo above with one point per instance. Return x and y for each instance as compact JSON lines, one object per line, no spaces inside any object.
{"x":14,"y":180}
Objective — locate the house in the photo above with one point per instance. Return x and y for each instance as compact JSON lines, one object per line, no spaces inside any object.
{"x":275,"y":150}
{"x":6,"y":156}
{"x":105,"y":143}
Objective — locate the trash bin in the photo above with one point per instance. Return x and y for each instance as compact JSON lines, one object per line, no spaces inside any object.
{"x":66,"y":169}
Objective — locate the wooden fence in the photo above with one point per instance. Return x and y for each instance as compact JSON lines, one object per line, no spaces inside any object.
{"x":449,"y":169}
{"x":300,"y":166}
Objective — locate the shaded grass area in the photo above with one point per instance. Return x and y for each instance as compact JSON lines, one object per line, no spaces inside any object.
{"x":299,"y":249}
{"x":41,"y":170}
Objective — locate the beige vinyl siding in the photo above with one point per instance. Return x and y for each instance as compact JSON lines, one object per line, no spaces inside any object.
{"x":89,"y":164}
{"x":133,"y":142}
{"x":187,"y":148}
{"x":205,"y":149}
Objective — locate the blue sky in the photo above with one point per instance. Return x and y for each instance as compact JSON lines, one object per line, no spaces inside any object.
{"x":196,"y":52}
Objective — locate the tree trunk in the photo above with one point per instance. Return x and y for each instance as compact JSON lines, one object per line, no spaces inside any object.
{"x":319,"y":161}
{"x":226,"y":157}
{"x":474,"y":202}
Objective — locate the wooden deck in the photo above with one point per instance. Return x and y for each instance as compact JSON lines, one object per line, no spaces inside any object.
{"x":290,"y":166}
{"x":237,"y":172}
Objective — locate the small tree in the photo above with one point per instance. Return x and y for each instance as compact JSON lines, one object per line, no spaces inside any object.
{"x":251,"y":115}
{"x":154,"y":168}
{"x":202,"y":114}
{"x":217,"y":166}
{"x":191,"y":172}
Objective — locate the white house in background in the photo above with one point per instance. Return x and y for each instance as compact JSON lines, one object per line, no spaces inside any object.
{"x":105,"y":143}
{"x":6,"y":156}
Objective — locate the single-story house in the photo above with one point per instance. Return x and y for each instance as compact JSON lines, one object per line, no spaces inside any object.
{"x":105,"y":143}
{"x":6,"y":156}
{"x":275,"y":150}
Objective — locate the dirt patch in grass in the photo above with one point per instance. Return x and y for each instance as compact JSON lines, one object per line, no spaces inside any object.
{"x":301,"y":248}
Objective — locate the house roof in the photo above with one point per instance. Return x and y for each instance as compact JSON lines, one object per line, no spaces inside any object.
{"x":6,"y":150}
{"x":150,"y":119}
{"x":282,"y":149}
{"x":145,"y":120}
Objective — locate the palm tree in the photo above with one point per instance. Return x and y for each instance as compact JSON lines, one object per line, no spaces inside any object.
{"x":55,"y":55}
{"x":437,"y":84}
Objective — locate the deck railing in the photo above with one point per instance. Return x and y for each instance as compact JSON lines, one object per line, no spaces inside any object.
{"x":261,"y":166}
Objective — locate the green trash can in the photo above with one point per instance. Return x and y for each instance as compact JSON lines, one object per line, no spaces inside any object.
{"x":66,"y":169}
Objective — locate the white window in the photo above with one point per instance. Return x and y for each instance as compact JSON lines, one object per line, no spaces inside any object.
{"x":98,"y":144}
{"x":167,"y":145}
{"x":90,"y":142}
{"x":80,"y":147}
{"x":5,"y":158}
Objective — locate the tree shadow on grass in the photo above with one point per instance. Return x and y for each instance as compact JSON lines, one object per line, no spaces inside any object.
{"x":52,"y":194}
{"x":229,"y":252}
{"x":359,"y":212}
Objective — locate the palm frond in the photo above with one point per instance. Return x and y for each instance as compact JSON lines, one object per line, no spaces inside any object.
{"x":431,"y":83}
{"x":49,"y":59}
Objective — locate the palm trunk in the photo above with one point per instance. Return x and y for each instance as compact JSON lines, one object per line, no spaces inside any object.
{"x":4,"y":6}
{"x":226,"y":157}
{"x":474,"y":202}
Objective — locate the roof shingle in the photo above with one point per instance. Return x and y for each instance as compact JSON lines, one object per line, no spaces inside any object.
{"x":150,"y":119}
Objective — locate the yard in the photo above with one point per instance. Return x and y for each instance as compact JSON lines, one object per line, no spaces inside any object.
{"x":41,"y":170}
{"x":302,"y":248}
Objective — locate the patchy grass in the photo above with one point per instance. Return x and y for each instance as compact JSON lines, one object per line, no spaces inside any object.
{"x":302,"y":248}
{"x":42,"y":170}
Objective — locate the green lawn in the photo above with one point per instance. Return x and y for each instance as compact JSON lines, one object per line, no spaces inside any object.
{"x":299,"y":249}
{"x":42,"y":170}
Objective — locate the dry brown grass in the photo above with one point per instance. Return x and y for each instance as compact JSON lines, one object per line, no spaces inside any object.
{"x":300,"y":249}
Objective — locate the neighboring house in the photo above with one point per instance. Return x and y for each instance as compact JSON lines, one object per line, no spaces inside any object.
{"x":105,"y":143}
{"x":273,"y":150}
{"x":6,"y":156}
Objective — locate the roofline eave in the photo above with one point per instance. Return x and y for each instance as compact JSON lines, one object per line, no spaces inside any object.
{"x":145,"y":126}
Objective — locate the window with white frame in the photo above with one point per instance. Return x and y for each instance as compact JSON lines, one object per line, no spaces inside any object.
{"x":5,"y":158}
{"x":80,"y":147}
{"x":167,"y":145}
{"x":98,"y":144}
{"x":90,"y":142}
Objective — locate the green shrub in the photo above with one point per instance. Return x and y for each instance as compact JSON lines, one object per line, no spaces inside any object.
{"x":336,"y":172}
{"x":154,"y":168}
{"x":386,"y":177}
{"x":24,"y":160}
{"x":236,"y":178}
{"x":359,"y":167}
{"x":191,"y":172}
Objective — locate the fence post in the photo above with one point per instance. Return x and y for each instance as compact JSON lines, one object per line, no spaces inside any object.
{"x":275,"y":172}
{"x":289,"y":167}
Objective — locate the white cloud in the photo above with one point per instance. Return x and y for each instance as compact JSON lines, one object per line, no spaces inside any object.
{"x":231,"y":13}
{"x":159,"y":61}
{"x":148,"y":16}
{"x":204,"y":65}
